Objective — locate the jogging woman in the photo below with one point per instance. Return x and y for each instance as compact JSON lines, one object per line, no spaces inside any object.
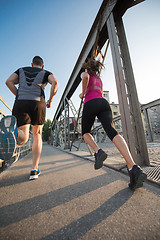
{"x":96,"y":106}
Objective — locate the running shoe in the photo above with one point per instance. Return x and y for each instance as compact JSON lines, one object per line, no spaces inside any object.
{"x":99,"y":158}
{"x":137,"y":177}
{"x":34,"y":174}
{"x":7,"y":137}
{"x":8,"y":124}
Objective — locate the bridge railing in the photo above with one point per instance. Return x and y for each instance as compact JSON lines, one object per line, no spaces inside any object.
{"x":151,"y":116}
{"x":63,"y":134}
{"x":20,"y":151}
{"x":151,"y":121}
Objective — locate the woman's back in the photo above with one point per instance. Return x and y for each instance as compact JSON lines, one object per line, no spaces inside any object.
{"x":94,"y":88}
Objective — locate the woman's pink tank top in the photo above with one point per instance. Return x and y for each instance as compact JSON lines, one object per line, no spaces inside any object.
{"x":94,"y":88}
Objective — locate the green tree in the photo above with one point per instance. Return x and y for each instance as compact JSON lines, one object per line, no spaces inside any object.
{"x":46,"y":130}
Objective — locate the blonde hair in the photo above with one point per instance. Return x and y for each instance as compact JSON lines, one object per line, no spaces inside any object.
{"x":93,"y":66}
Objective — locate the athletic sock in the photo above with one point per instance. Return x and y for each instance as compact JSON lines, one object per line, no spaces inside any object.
{"x":98,"y":151}
{"x":130,"y":169}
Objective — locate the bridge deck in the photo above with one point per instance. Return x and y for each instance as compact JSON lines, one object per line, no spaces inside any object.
{"x":71,"y":200}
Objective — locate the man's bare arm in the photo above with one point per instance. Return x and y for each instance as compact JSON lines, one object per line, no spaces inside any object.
{"x":54,"y":87}
{"x":11,"y":82}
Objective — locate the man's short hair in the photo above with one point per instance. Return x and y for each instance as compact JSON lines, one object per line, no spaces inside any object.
{"x":37,"y":60}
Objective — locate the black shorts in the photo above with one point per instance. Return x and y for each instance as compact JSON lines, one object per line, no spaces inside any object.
{"x":29,"y":112}
{"x":98,"y":107}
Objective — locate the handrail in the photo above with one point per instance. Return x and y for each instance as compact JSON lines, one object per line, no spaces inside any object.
{"x":2,"y":100}
{"x":117,"y":118}
{"x":2,"y":113}
{"x":150,"y":104}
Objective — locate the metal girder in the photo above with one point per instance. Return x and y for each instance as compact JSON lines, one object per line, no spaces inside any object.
{"x":151,"y":104}
{"x":75,"y":79}
{"x":72,"y":107}
{"x":66,"y":126}
{"x":118,"y":7}
{"x":135,"y":2}
{"x":132,"y":96}
{"x":148,"y":125}
{"x":144,"y":109}
{"x":127,"y":94}
{"x":119,"y":76}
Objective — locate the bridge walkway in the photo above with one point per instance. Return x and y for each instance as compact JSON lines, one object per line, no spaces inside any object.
{"x":70,"y":200}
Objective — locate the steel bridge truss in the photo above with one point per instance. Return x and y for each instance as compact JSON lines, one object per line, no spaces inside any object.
{"x":108,"y":25}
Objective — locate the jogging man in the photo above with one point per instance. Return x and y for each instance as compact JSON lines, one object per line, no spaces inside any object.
{"x":29,"y":107}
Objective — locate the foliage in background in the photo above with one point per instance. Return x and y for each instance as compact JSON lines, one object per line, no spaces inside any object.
{"x":46,"y":130}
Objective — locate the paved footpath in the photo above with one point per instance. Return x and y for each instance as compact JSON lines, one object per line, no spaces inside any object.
{"x":70,"y":201}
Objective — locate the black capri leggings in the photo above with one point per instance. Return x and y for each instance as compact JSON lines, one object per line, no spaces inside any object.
{"x":98,"y":107}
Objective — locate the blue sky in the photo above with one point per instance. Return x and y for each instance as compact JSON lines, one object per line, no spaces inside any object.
{"x":57,"y":30}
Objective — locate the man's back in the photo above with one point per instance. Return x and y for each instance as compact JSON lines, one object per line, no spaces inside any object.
{"x":32,"y":81}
